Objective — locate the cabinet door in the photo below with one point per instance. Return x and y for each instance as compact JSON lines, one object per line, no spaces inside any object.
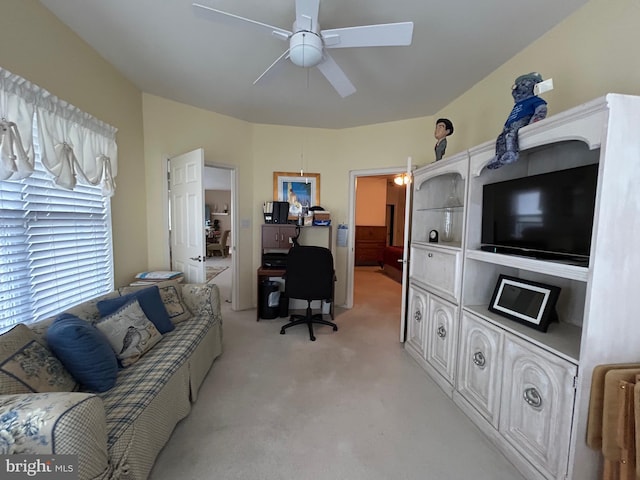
{"x":537,"y":406}
{"x":442,"y":337}
{"x":271,"y":236}
{"x":417,"y":319}
{"x":285,"y":235}
{"x":480,"y":368}
{"x":436,"y":269}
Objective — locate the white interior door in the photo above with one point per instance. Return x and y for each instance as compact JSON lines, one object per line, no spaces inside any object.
{"x":186,"y":198}
{"x":405,"y":254}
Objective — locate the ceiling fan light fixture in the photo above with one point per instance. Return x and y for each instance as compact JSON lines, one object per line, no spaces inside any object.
{"x":305,"y":49}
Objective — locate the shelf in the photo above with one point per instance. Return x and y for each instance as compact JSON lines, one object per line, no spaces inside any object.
{"x":445,"y":245}
{"x":555,"y":269}
{"x":562,"y":339}
{"x":219,"y":214}
{"x":440,"y":209}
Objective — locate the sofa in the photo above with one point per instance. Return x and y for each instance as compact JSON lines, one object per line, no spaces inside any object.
{"x":116,"y":433}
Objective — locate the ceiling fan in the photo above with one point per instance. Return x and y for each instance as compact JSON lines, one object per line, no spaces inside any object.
{"x":308,"y":44}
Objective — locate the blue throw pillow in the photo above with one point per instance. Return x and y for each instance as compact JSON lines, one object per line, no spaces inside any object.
{"x":84,"y":351}
{"x":151,"y":303}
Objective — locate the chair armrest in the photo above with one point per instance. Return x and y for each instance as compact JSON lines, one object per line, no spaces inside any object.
{"x":70,"y":423}
{"x":202,"y":299}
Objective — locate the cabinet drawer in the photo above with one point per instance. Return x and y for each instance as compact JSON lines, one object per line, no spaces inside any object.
{"x":436,"y":269}
{"x":537,"y":405}
{"x":480,"y":366}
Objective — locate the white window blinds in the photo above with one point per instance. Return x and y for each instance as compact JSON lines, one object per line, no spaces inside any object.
{"x":55,"y":247}
{"x":57,"y":169}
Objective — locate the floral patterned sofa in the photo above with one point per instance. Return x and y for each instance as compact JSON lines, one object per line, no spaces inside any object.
{"x":117,"y":434}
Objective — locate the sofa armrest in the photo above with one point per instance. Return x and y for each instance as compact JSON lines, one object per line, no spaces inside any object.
{"x":202,"y":299}
{"x":70,"y":423}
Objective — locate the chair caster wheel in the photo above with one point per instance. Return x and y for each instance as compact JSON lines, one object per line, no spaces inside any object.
{"x":282,"y":332}
{"x":313,"y":339}
{"x":335,"y":329}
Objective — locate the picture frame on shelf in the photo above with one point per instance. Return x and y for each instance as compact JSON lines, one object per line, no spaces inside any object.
{"x":301,"y":191}
{"x":530,"y":303}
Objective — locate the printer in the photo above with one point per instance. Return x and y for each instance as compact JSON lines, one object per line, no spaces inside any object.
{"x":274,"y":260}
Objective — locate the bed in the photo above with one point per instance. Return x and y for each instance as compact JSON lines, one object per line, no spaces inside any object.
{"x":392,"y":262}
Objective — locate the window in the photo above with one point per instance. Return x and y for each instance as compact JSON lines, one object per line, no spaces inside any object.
{"x":55,"y":247}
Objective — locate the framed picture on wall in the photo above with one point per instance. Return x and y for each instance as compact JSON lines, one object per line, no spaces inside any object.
{"x":302,"y":192}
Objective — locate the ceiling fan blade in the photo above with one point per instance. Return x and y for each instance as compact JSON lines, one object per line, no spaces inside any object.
{"x":273,"y":68}
{"x":209,"y":13}
{"x":337,"y":78}
{"x":307,"y":15}
{"x":384,"y":35}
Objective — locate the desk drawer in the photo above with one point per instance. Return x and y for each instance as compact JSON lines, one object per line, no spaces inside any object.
{"x":436,"y":269}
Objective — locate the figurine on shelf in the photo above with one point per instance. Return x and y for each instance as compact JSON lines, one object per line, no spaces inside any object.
{"x":528,"y":108}
{"x":444,"y":128}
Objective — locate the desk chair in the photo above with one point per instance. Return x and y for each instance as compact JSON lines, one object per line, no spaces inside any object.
{"x":309,"y":277}
{"x":220,"y":247}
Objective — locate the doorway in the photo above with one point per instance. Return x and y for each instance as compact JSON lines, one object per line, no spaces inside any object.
{"x":399,"y":208}
{"x":219,"y":228}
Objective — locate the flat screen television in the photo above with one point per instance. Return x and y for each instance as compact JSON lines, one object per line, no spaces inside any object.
{"x":547,"y":216}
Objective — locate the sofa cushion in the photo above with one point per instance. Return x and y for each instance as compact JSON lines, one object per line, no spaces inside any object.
{"x":129,"y":331}
{"x":85,"y":351}
{"x":171,"y":294}
{"x":27,"y":366}
{"x":151,"y":303}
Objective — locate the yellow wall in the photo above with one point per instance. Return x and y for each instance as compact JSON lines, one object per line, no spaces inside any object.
{"x":38,"y":47}
{"x":172,"y":128}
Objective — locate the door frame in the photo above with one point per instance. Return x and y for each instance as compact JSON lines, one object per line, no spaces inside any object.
{"x":351,"y":232}
{"x":235,"y":285}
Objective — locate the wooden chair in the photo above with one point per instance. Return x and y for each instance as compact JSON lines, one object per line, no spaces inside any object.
{"x":220,"y":247}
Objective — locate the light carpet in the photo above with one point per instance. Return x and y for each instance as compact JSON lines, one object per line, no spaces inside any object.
{"x":352,"y":405}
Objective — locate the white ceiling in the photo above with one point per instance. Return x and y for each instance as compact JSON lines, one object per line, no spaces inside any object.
{"x":166,"y":50}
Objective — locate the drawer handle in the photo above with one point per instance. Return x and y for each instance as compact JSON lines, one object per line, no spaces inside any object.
{"x":532,"y":397}
{"x":479,"y":359}
{"x":417,"y":316}
{"x":429,"y":255}
{"x":442,"y":332}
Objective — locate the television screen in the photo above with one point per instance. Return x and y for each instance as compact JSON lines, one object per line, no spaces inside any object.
{"x":545,"y":216}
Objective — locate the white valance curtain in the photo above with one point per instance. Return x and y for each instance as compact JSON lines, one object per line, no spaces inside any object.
{"x":74,"y":145}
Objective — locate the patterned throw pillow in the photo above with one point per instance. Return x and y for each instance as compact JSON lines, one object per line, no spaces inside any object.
{"x":27,"y":366}
{"x":171,"y":294}
{"x":130,"y":333}
{"x":151,"y":303}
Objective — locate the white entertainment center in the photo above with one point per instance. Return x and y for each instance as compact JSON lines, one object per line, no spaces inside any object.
{"x":528,"y":390}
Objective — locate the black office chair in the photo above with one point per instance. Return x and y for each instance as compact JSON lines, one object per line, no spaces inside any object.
{"x":309,"y":277}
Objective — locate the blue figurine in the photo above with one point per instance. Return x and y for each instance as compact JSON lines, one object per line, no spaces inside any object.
{"x":529,"y":108}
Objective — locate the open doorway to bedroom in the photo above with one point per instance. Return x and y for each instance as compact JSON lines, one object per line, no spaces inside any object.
{"x":377,"y":217}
